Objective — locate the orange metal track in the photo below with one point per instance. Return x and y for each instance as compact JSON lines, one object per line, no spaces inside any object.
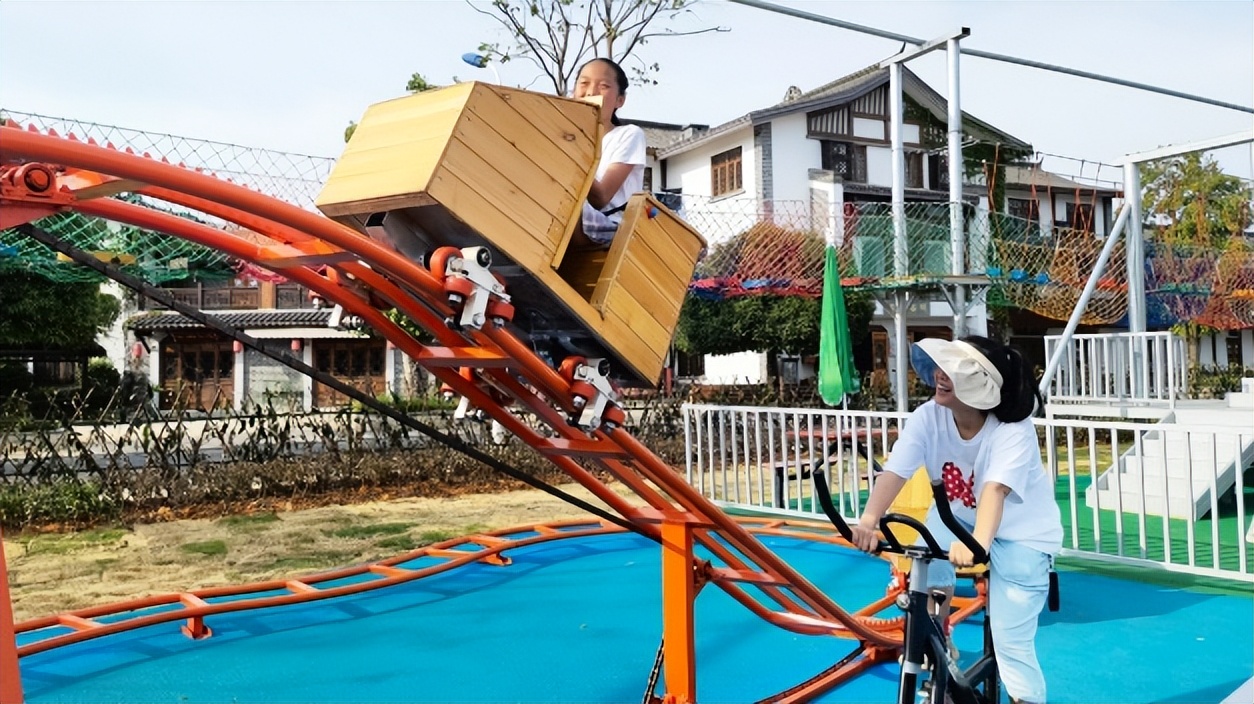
{"x":366,"y":278}
{"x":195,"y":606}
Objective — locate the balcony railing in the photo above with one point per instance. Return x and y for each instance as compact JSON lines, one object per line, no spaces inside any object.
{"x":286,"y":297}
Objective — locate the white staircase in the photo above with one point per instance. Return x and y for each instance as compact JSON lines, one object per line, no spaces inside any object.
{"x":1193,"y":454}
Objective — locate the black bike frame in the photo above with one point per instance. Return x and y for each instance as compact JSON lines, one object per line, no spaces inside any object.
{"x":924,"y":632}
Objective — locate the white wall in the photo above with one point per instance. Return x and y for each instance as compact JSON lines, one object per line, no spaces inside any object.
{"x":792,"y":157}
{"x":879,"y":166}
{"x":690,"y":170}
{"x":738,"y":368}
{"x":717,"y":219}
{"x":115,"y":340}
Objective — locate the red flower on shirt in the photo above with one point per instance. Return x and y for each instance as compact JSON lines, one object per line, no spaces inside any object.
{"x":956,"y":487}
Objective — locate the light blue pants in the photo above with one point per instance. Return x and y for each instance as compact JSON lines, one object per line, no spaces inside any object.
{"x":1018,"y":585}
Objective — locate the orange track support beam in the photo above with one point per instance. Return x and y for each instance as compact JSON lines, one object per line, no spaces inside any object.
{"x":679,"y":585}
{"x":10,"y":675}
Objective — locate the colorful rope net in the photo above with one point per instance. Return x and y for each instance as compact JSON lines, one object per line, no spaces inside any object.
{"x":156,"y":257}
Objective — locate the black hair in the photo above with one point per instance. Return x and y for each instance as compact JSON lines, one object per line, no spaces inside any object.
{"x":620,"y":77}
{"x":1019,"y":394}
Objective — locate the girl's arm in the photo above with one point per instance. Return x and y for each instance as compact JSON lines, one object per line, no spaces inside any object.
{"x":603,"y":190}
{"x":887,"y":486}
{"x":987,"y":518}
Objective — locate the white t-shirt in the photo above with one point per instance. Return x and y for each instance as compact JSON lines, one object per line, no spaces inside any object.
{"x":1006,"y":453}
{"x":625,"y":144}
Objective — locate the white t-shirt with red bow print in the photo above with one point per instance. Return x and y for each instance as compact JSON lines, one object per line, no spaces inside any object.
{"x":1006,"y":453}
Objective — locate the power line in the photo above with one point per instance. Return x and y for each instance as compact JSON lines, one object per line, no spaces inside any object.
{"x":821,"y":19}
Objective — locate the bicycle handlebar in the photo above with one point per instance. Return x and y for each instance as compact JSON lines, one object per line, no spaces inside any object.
{"x":890,"y":543}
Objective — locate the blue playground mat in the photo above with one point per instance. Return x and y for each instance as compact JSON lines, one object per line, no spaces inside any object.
{"x":579,"y":620}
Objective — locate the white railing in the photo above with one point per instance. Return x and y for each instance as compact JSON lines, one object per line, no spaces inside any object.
{"x":1141,"y":368}
{"x":1114,"y":497}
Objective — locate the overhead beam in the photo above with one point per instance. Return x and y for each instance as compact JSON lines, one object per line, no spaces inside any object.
{"x":801,"y":14}
{"x":1204,"y":145}
{"x":926,"y":47}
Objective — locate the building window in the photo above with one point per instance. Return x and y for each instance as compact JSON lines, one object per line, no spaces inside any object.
{"x":725,"y":173}
{"x":843,"y":159}
{"x":914,"y":169}
{"x":1079,"y":217}
{"x":1024,"y":208}
{"x":648,"y":180}
{"x":688,"y":366}
{"x":938,"y":172}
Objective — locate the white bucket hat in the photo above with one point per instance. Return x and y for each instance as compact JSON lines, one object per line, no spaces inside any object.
{"x":976,"y":381}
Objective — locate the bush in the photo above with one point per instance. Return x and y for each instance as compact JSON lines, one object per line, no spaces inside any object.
{"x":15,"y":379}
{"x":66,"y":502}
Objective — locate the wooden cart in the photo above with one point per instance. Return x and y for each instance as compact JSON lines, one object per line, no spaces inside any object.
{"x":483,"y":165}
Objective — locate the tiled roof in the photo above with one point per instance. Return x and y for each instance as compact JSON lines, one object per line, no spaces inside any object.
{"x":844,"y":90}
{"x":244,"y":320}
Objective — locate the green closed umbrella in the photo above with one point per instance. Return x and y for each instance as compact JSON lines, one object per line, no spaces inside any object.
{"x":837,"y":375}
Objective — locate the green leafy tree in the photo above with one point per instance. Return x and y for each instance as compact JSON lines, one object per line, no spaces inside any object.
{"x":768,"y":323}
{"x":1188,"y":200}
{"x":559,"y":35}
{"x":39,"y":314}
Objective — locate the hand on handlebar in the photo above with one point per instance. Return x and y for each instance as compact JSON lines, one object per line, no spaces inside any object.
{"x":865,"y":538}
{"x":960,"y":555}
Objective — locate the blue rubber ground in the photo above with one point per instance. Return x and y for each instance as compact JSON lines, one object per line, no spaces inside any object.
{"x":579,"y":621}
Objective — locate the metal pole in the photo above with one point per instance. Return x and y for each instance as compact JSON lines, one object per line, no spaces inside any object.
{"x":1135,"y":249}
{"x":899,"y":349}
{"x":901,"y":252}
{"x":957,"y":235}
{"x":10,"y":674}
{"x":990,"y":55}
{"x":1063,"y":342}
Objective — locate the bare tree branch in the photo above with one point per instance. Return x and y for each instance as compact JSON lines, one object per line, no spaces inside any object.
{"x":559,"y":35}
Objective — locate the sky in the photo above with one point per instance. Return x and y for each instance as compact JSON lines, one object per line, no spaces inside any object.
{"x":290,"y":75}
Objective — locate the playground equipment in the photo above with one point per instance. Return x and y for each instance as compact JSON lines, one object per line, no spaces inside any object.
{"x":925,"y":633}
{"x":504,"y":173}
{"x":468,"y":298}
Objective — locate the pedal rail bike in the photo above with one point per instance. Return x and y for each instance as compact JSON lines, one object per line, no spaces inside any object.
{"x":926,"y":647}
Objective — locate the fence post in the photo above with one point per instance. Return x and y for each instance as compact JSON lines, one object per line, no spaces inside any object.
{"x":10,"y":676}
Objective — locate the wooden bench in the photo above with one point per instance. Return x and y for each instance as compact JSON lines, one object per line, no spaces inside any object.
{"x":484,"y":165}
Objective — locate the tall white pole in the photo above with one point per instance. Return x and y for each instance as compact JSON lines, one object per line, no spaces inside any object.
{"x":901,"y":250}
{"x":1135,"y":248}
{"x":957,"y":235}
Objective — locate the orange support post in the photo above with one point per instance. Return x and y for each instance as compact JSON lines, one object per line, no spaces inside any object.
{"x":10,"y":676}
{"x":679,"y":590}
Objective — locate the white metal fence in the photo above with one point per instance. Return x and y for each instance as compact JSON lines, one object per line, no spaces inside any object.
{"x":1148,"y":368}
{"x":1114,"y":481}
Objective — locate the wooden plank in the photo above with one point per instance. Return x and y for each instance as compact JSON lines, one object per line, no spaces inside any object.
{"x":543,"y":143}
{"x":640,"y":321}
{"x":664,"y":304}
{"x":499,"y":131}
{"x":579,"y":138}
{"x":380,"y":173}
{"x":353,"y":213}
{"x":658,"y":244}
{"x":501,"y":193}
{"x":537,"y":182}
{"x":510,"y":237}
{"x":643,"y":360}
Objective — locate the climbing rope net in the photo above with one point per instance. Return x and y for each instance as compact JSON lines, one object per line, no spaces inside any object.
{"x":158,"y":258}
{"x":1199,"y":267}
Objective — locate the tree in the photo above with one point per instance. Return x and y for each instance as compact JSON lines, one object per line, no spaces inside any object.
{"x":1190,"y":201}
{"x":560,"y":35}
{"x":768,"y":323}
{"x":36,"y":313}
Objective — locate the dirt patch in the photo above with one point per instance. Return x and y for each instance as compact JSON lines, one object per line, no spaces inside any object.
{"x":51,"y":572}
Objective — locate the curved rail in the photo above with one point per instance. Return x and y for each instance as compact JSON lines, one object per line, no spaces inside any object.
{"x":366,"y":277}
